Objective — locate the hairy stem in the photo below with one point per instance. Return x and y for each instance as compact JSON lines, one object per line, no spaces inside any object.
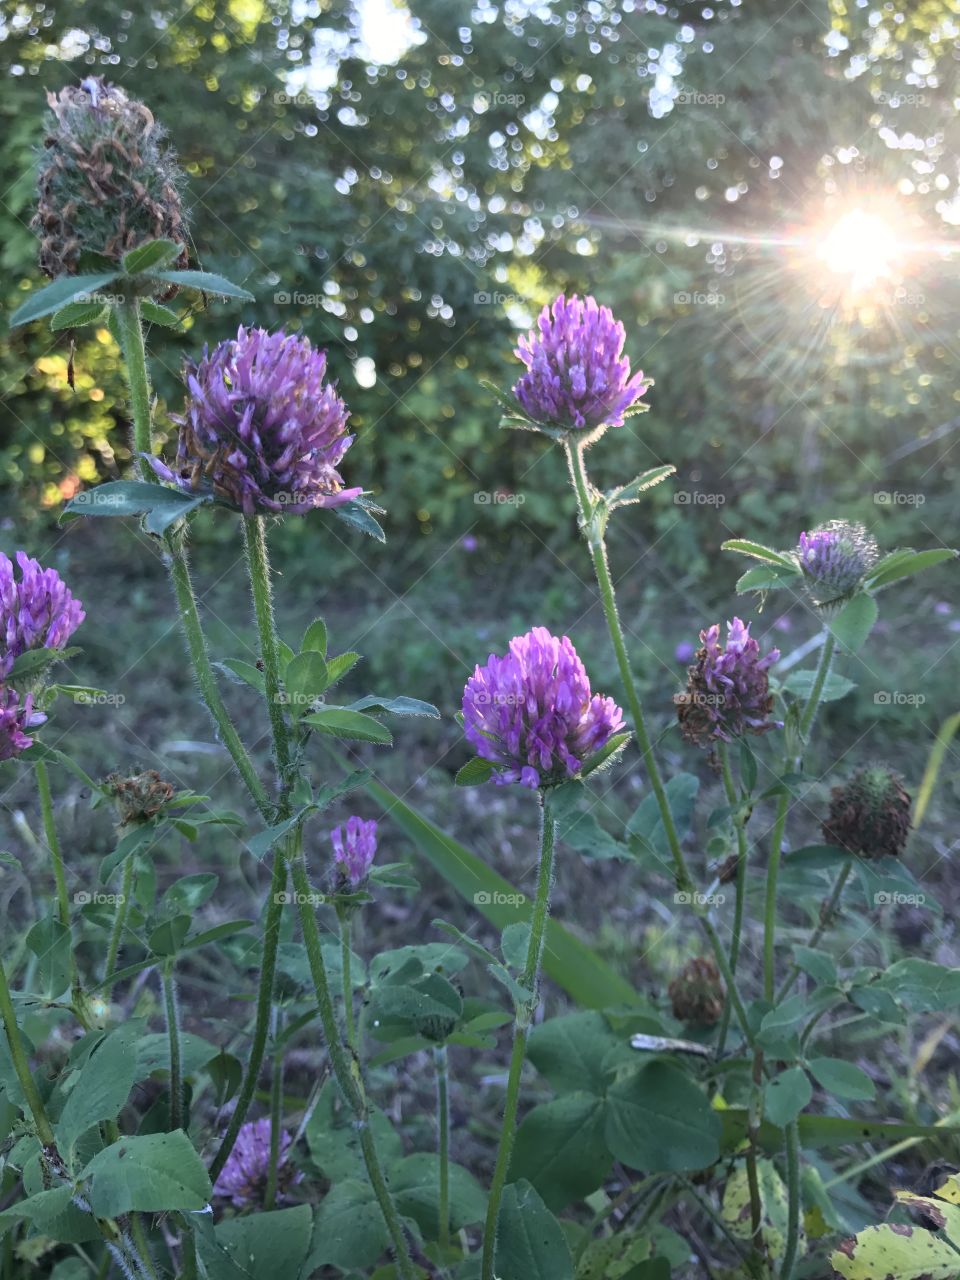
{"x":343,"y":915}
{"x":443,"y":1142}
{"x":730,"y":791}
{"x":258,"y":564}
{"x":793,"y":1201}
{"x":52,"y":841}
{"x":119,"y":924}
{"x":276,"y":1115}
{"x":531,"y":980}
{"x":21,"y":1066}
{"x":127,"y":315}
{"x":827,"y":912}
{"x":173,"y":1036}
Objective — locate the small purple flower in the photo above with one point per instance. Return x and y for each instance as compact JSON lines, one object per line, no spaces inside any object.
{"x":243,"y":1179}
{"x":37,"y":611}
{"x":684,"y":651}
{"x":577,"y":376}
{"x":16,"y":715}
{"x":354,"y":849}
{"x":531,"y":712}
{"x":728,"y":689}
{"x":835,"y":558}
{"x":263,"y":427}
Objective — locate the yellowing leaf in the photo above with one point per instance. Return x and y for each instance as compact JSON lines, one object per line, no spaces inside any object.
{"x":900,"y":1249}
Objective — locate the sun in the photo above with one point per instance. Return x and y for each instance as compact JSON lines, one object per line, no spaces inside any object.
{"x":862,"y":246}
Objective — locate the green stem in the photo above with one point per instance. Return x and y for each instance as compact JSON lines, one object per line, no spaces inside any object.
{"x":200,"y":658}
{"x":276,"y":1115}
{"x":173,"y":1035}
{"x":443,"y":1139}
{"x":793,"y":1201}
{"x":21,"y":1066}
{"x":730,"y":791}
{"x":827,"y":912}
{"x":138,"y":379}
{"x":261,"y":1028}
{"x":52,"y":841}
{"x":343,"y":916}
{"x":531,"y":980}
{"x":598,"y":550}
{"x":258,"y":563}
{"x":119,"y":923}
{"x":345,"y":1068}
{"x":188,"y":1255}
{"x":807,"y":718}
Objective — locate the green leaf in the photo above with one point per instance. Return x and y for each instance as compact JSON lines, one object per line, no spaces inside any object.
{"x":76,"y":315}
{"x":338,"y":667}
{"x":835,"y":686}
{"x":569,"y":1051}
{"x":415,"y":1183}
{"x":757,"y":551}
{"x":826,"y":1133}
{"x":530,"y":1242}
{"x":582,"y":832}
{"x":53,"y":1214}
{"x":561,"y":1149}
{"x":587,"y":978}
{"x":338,"y":722}
{"x":818,"y":857}
{"x":818,"y":964}
{"x":167,"y":938}
{"x":646,"y":826}
{"x":903,"y":564}
{"x":101,"y":1087}
{"x":514,"y":944}
{"x":243,"y":673}
{"x":334,"y":1140}
{"x":43,"y":302}
{"x":605,"y":757}
{"x":147,"y":1174}
{"x":765,"y":577}
{"x":646,"y":480}
{"x":786,"y":1095}
{"x":315,"y":638}
{"x":205,"y":281}
{"x":35,"y":661}
{"x":349,"y":1232}
{"x":128,"y":845}
{"x":396,"y":706}
{"x":49,"y":940}
{"x":153,"y":253}
{"x":922,"y":985}
{"x":261,"y":843}
{"x":359,"y":515}
{"x":474,"y":773}
{"x":855,"y":621}
{"x":161,"y":504}
{"x":659,"y":1120}
{"x":894,"y":1251}
{"x":156,"y":313}
{"x":843,"y":1079}
{"x":305,"y":680}
{"x":260,"y":1244}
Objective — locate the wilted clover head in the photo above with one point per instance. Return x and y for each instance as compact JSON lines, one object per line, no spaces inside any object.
{"x":869,"y":814}
{"x":728,"y":688}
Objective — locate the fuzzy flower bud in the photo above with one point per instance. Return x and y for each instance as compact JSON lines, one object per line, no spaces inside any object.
{"x":728,"y":688}
{"x":870,"y":814}
{"x":354,"y":849}
{"x":37,"y":610}
{"x":16,"y":716}
{"x":531,"y":713}
{"x":243,"y":1179}
{"x":262,"y":427}
{"x":107,"y":181}
{"x":697,"y":992}
{"x":140,"y":796}
{"x":835,"y":558}
{"x":577,"y":376}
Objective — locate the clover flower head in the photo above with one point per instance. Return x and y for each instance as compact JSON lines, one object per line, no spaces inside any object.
{"x":577,"y":376}
{"x":728,"y":688}
{"x":37,"y":610}
{"x":354,"y":849}
{"x":697,"y":992}
{"x":243,"y":1179}
{"x":531,"y":712}
{"x":263,"y":427}
{"x":16,"y":716}
{"x":835,"y":558}
{"x":138,"y":797}
{"x":869,"y":814}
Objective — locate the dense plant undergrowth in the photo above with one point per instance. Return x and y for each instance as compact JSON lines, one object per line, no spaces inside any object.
{"x":682,"y":1135}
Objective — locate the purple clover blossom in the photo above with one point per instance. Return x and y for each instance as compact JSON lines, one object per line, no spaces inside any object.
{"x":835,"y":558}
{"x":36,"y":612}
{"x":16,"y":715}
{"x":728,"y":688}
{"x":243,"y":1179}
{"x":354,"y":849}
{"x":263,"y":426}
{"x":531,"y":712}
{"x":577,"y":376}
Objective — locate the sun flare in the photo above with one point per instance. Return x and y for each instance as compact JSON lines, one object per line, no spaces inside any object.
{"x":862,"y":246}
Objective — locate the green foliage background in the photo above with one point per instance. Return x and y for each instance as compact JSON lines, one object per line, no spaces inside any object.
{"x":418,"y":212}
